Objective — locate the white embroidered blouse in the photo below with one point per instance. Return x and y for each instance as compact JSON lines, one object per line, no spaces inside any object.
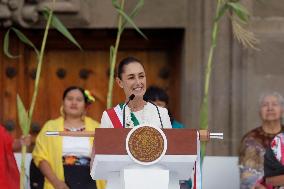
{"x":149,"y":114}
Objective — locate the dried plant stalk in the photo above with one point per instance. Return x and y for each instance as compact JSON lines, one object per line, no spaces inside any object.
{"x":245,"y":37}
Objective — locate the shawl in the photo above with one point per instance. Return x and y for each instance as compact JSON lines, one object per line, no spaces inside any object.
{"x":272,"y":167}
{"x":273,"y":159}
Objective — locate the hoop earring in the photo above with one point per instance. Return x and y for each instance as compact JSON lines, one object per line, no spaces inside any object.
{"x":62,"y":112}
{"x":83,"y":116}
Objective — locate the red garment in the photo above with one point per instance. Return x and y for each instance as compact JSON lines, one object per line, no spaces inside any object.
{"x":9,"y":173}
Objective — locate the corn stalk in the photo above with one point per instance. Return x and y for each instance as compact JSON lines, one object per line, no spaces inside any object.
{"x":25,"y":117}
{"x":238,"y":16}
{"x":123,"y":20}
{"x":26,"y":126}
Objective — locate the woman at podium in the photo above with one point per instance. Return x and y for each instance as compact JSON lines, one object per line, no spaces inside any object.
{"x":131,"y":77}
{"x":65,"y":161}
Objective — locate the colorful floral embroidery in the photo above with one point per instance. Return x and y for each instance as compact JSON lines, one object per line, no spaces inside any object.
{"x":74,"y":160}
{"x":277,"y":146}
{"x":69,"y":160}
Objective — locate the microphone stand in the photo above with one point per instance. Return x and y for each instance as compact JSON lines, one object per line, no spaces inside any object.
{"x":131,"y":97}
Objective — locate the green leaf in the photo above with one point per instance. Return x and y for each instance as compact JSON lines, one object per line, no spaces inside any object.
{"x":129,"y":20}
{"x":136,"y":9}
{"x":239,"y":10}
{"x":23,"y":116}
{"x":116,"y":4}
{"x":134,"y":12}
{"x":25,"y":40}
{"x":221,"y":12}
{"x":57,"y":24}
{"x":6,"y":45}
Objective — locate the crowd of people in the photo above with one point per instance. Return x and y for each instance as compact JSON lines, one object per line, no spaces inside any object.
{"x":64,"y":162}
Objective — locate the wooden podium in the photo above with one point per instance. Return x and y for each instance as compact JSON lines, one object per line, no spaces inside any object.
{"x":111,"y":162}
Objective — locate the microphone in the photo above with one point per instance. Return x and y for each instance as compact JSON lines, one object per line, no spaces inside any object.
{"x":131,"y":97}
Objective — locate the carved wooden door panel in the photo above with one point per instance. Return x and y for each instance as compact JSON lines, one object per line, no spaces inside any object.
{"x":11,"y":82}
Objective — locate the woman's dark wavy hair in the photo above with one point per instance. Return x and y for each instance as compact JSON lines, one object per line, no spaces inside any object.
{"x":154,"y":93}
{"x":71,"y":88}
{"x":124,"y":62}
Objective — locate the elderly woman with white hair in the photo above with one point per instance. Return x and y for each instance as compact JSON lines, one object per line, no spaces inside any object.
{"x":256,"y":141}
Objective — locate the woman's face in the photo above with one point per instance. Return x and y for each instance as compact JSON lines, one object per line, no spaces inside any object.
{"x":270,"y":109}
{"x":74,"y":104}
{"x":133,"y":80}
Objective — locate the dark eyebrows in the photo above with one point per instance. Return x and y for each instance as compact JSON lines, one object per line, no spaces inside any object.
{"x":130,"y":75}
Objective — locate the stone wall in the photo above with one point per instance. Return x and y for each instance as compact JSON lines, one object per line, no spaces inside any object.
{"x":240,"y":75}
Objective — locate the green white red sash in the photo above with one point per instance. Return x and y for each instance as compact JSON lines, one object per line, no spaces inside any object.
{"x":116,"y":115}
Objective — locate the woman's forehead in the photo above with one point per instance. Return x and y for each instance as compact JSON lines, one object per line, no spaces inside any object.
{"x":270,"y":98}
{"x":75,"y":92}
{"x":133,"y":68}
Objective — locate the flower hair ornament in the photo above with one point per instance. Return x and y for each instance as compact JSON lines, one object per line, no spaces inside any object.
{"x":90,"y":96}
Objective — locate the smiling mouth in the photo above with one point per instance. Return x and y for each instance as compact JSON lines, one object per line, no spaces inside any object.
{"x":138,"y":89}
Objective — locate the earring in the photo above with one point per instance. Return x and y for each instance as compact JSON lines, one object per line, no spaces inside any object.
{"x":83,"y":116}
{"x":62,"y":112}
